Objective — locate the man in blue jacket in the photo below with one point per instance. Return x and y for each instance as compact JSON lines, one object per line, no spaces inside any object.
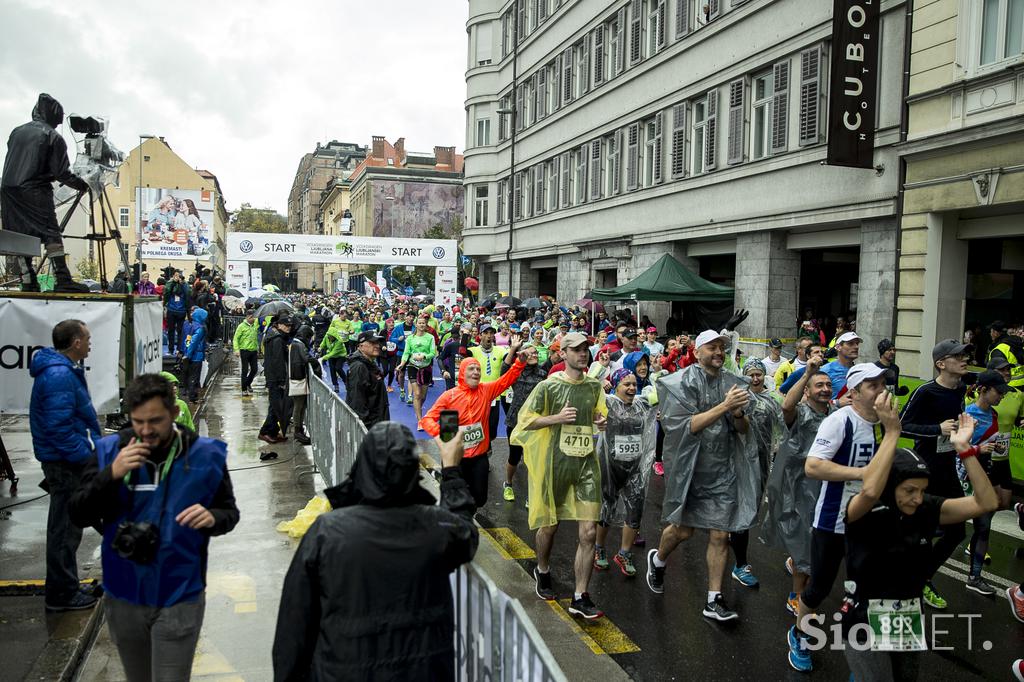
{"x":177,"y":302}
{"x":157,"y":493}
{"x":194,"y":353}
{"x":64,"y":433}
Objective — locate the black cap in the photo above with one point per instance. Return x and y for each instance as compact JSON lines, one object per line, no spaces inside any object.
{"x":775,"y":343}
{"x":369,"y":336}
{"x":487,"y":326}
{"x":884,"y":345}
{"x":993,"y":379}
{"x":999,"y":326}
{"x":285,"y":319}
{"x":629,"y":331}
{"x":949,"y":347}
{"x":997,"y":362}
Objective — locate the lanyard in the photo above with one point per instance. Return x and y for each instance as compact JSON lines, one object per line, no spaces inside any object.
{"x":163,"y":470}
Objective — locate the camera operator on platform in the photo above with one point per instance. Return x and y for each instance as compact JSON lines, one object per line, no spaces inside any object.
{"x":37,"y":156}
{"x":157,"y":492}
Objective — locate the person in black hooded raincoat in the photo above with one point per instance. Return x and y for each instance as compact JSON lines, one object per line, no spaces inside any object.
{"x":368,"y":596}
{"x":36,"y":157}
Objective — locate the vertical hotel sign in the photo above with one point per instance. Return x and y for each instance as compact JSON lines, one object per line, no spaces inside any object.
{"x":853,"y":92}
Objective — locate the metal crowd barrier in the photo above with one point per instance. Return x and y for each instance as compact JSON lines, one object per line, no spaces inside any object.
{"x":229,"y":323}
{"x":494,"y":638}
{"x":335,"y":430}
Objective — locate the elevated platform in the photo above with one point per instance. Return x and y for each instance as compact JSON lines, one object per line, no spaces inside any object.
{"x":17,"y":244}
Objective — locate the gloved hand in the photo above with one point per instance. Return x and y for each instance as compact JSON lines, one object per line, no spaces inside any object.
{"x":77,"y":183}
{"x":736,"y":319}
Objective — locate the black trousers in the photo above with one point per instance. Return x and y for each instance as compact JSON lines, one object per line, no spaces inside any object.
{"x":944,"y":482}
{"x":475,"y":472}
{"x":250,"y":367}
{"x":62,"y":536}
{"x":279,"y":412}
{"x":192,"y":371}
{"x":827,"y":553}
{"x":175,"y":321}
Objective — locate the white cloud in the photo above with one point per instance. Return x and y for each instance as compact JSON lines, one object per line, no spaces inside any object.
{"x":243,"y":89}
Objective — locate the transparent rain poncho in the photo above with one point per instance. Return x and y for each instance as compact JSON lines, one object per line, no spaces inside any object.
{"x":712,"y":478}
{"x":767,"y":426}
{"x":565,"y":476}
{"x":792,"y":497}
{"x":626,"y":452}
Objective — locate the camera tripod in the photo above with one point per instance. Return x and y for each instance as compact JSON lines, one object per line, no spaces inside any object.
{"x":105,"y":231}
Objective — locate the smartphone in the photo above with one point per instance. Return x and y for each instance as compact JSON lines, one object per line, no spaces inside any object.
{"x":449,"y":424}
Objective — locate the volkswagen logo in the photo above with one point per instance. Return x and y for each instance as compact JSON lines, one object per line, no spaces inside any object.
{"x":439,"y":252}
{"x":245,"y":246}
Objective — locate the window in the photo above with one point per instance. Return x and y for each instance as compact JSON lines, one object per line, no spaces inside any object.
{"x":653,"y":156}
{"x":538,"y":189}
{"x":1002,"y":30}
{"x":480,"y":208}
{"x":761,"y":116}
{"x":483,"y":132}
{"x":483,"y":44}
{"x":632,"y":156}
{"x":636,"y":32}
{"x":599,"y":55}
{"x":595,"y":170}
{"x":123,"y":211}
{"x":582,"y":53}
{"x":517,"y":196}
{"x":616,"y":50}
{"x":566,"y":183}
{"x":737,"y":122}
{"x":553,"y":184}
{"x":780,"y":107}
{"x":656,"y":27}
{"x":613,"y":171}
{"x":705,"y":120}
{"x":683,"y":15}
{"x":567,"y":76}
{"x":810,"y":95}
{"x":581,"y":156}
{"x":507,"y":27}
{"x":503,"y":119}
{"x":679,"y":140}
{"x":499,"y":217}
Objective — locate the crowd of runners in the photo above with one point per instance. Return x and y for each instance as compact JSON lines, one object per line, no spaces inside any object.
{"x":799,"y":450}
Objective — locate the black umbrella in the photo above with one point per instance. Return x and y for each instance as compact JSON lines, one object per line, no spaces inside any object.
{"x":510,"y":301}
{"x":273,"y":308}
{"x":495,"y":296}
{"x":234,"y":292}
{"x":533,"y":303}
{"x":252,"y":301}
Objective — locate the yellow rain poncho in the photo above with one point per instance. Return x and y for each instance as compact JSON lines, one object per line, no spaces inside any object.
{"x":565,"y":476}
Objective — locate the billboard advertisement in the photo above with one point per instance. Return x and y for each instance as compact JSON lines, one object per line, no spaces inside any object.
{"x":176,"y":223}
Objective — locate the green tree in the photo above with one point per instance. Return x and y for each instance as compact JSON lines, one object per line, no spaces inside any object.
{"x":88,"y":269}
{"x":264,"y":220}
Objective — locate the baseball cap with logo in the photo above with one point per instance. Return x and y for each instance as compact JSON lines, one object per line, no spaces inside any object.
{"x":775,"y":343}
{"x":709,"y":335}
{"x":863,"y":372}
{"x":574,"y":339}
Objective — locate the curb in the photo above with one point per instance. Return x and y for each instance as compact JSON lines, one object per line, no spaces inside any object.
{"x":60,"y":659}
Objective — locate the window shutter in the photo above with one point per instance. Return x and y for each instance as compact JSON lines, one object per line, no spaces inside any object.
{"x":566,"y":172}
{"x":780,"y":106}
{"x":632,"y":156}
{"x":553,"y":184}
{"x":519,"y":107}
{"x":585,"y":64}
{"x":542,"y":92}
{"x":682,"y":18}
{"x":711,"y":130}
{"x":528,"y":193}
{"x":736,"y":111}
{"x":658,"y":162}
{"x":542,"y":9}
{"x":520,"y":20}
{"x":621,"y":40}
{"x":662,"y":10}
{"x":616,"y":166}
{"x":598,"y":55}
{"x":595,"y":169}
{"x":538,"y":189}
{"x":679,"y":140}
{"x":535,"y":97}
{"x":506,"y":19}
{"x":714,"y":9}
{"x":517,"y":195}
{"x":810,"y":89}
{"x":500,"y":203}
{"x":636,"y":31}
{"x":567,"y":76}
{"x":582,"y":157}
{"x":556,"y":84}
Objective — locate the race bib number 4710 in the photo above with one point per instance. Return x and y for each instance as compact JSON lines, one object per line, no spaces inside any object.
{"x":576,"y":441}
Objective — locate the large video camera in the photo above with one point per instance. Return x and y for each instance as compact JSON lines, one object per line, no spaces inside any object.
{"x":98,"y":160}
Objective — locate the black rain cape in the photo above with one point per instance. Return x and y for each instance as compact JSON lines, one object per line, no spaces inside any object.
{"x":368,"y":594}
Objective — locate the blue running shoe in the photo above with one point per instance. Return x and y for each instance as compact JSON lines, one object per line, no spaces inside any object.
{"x":799,"y":657}
{"x":744,"y":575}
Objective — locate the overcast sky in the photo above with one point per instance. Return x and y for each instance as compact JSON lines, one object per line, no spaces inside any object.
{"x":242,"y":88}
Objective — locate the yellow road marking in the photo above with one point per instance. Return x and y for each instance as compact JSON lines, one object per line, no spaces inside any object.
{"x":602,"y":631}
{"x":509,"y":544}
{"x":575,"y":627}
{"x":239,"y":588}
{"x":7,"y":584}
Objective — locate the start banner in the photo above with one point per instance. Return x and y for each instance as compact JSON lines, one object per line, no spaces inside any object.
{"x":26,"y":325}
{"x":312,"y":248}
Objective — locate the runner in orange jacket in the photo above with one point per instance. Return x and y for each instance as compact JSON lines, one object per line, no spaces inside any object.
{"x":472,"y":400}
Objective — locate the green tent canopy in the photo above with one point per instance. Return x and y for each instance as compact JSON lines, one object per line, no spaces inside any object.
{"x":666,"y":280}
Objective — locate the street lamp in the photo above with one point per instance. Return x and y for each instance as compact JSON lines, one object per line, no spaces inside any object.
{"x":138,"y":209}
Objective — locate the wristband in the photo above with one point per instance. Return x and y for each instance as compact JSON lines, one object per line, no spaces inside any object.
{"x":969,"y":452}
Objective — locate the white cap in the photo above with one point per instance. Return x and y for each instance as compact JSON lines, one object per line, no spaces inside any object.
{"x":863,"y":372}
{"x":847,"y":337}
{"x":709,"y":335}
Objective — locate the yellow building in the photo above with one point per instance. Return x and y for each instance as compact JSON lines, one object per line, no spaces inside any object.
{"x":962,"y":231}
{"x":197,"y":235}
{"x":336,"y":218}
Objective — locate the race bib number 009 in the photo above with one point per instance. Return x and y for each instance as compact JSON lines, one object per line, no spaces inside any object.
{"x":576,"y":441}
{"x":896,"y":625}
{"x":626,"y":448}
{"x":473,"y":435}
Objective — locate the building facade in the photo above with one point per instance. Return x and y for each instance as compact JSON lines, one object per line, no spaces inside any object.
{"x":336,"y":217}
{"x":962,"y":234}
{"x":153,"y":166}
{"x":690,"y":127}
{"x":317,"y":169}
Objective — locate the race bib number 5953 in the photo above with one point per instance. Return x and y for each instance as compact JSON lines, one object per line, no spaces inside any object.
{"x":576,"y":441}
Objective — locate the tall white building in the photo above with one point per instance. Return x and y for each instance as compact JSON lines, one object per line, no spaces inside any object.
{"x":691,"y":127}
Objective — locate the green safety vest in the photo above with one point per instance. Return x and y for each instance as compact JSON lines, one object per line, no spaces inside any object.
{"x":1016,"y":369}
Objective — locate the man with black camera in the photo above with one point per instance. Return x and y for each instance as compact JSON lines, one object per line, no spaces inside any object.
{"x":157,"y":492}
